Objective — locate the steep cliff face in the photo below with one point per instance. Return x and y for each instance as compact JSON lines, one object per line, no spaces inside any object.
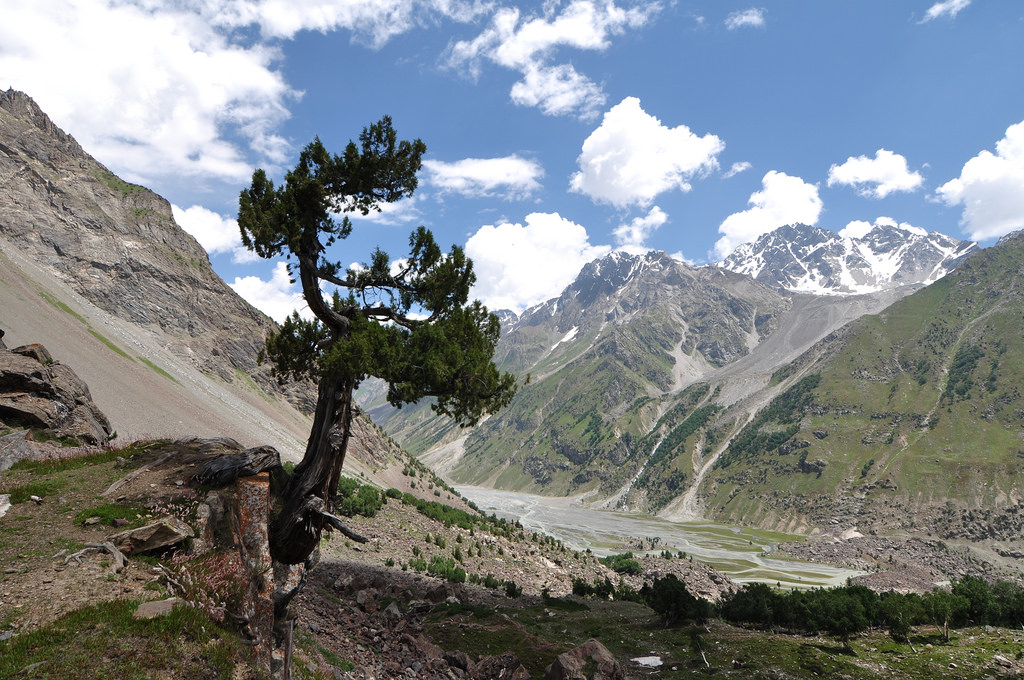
{"x":117,"y":245}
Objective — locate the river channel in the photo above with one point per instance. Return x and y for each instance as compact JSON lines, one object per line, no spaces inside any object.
{"x":742,"y":554}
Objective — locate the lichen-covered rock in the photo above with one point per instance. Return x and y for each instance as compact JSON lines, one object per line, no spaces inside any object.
{"x":589,"y":661}
{"x":40,"y":393}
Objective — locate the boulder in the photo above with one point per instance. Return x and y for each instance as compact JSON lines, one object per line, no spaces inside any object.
{"x":589,"y":661}
{"x":160,"y":534}
{"x":501,"y":667}
{"x":38,"y":392}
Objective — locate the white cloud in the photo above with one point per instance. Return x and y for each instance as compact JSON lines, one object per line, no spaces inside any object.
{"x":632,"y":236}
{"x":373,"y":21}
{"x":216,"y":234}
{"x":860,"y":228}
{"x":856,"y":229}
{"x":782,"y":200}
{"x":632,"y":157}
{"x":946,"y":8}
{"x":529,"y":45}
{"x":184,"y":90}
{"x":402,"y":211}
{"x":558,"y":91}
{"x":876,"y":177}
{"x":743,"y":18}
{"x":277,"y":298}
{"x":152,"y":90}
{"x":519,"y":266}
{"x":511,"y":177}
{"x":737,"y":168}
{"x":905,"y":226}
{"x":991,"y":188}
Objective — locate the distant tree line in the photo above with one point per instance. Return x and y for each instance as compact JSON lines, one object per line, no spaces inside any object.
{"x":840,"y":612}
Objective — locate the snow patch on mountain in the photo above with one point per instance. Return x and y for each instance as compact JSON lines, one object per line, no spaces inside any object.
{"x":807,"y":259}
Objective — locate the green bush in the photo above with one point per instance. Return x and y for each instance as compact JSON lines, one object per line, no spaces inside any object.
{"x":623,"y":563}
{"x":358,"y":499}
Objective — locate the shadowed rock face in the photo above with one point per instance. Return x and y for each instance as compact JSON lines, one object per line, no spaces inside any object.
{"x":38,"y":392}
{"x":117,"y":245}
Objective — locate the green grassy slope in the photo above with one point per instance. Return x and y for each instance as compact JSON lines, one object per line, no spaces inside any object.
{"x":912,"y":418}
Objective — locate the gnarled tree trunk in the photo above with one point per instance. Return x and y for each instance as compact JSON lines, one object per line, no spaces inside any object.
{"x":295,"y":531}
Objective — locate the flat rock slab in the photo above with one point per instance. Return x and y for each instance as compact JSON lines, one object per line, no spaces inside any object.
{"x":150,"y":610}
{"x":160,"y":534}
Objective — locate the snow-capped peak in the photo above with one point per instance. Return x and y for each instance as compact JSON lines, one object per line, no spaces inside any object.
{"x":813,"y":260}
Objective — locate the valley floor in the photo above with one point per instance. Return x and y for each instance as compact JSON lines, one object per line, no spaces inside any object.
{"x":367,"y":612}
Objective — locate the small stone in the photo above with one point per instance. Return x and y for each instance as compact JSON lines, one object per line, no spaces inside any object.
{"x":91,"y":521}
{"x":180,"y":482}
{"x":36,"y":499}
{"x":120,"y":522}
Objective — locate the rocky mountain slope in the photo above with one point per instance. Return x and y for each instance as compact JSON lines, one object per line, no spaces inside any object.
{"x":609,"y":358}
{"x":97,"y":270}
{"x":807,"y":259}
{"x":909,"y":420}
{"x":658,"y":387}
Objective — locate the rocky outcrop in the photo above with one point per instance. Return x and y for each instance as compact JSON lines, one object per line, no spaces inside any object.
{"x":39,"y":393}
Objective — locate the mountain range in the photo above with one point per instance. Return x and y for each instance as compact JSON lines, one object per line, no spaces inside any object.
{"x":693,"y":392}
{"x":805,"y":259}
{"x":807,"y":382}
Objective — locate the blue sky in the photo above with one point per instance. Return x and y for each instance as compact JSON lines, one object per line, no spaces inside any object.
{"x":557,"y":131}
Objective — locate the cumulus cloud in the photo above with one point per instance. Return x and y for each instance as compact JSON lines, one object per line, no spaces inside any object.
{"x":743,"y":18}
{"x":179,"y":100}
{"x":946,"y":8}
{"x":215,"y":233}
{"x":856,"y":229}
{"x":860,"y":228}
{"x":558,"y":91}
{"x":782,"y":200}
{"x":991,"y":188}
{"x":184,"y":90}
{"x":876,"y":177}
{"x":510,"y":177}
{"x":632,"y":157}
{"x":277,"y":297}
{"x":529,"y":45}
{"x":518,"y":265}
{"x":632,"y":237}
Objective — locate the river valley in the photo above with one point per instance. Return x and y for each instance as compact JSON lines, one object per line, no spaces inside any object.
{"x":744,"y":555}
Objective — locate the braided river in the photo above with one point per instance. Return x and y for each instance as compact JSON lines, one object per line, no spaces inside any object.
{"x":744,"y":555}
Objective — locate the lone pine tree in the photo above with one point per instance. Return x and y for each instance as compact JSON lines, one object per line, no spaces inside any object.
{"x":408,"y":322}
